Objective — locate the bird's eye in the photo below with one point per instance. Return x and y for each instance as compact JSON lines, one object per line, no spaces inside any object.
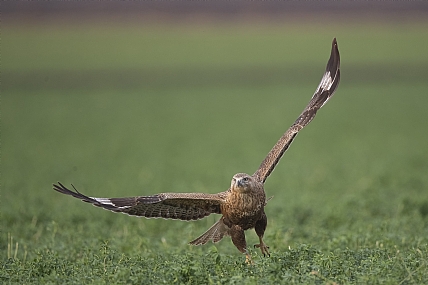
{"x":245,"y":179}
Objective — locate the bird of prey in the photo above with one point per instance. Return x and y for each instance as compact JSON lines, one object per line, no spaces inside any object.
{"x":242,"y":205}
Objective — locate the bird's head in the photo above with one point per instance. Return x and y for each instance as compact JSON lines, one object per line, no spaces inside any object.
{"x":242,"y":182}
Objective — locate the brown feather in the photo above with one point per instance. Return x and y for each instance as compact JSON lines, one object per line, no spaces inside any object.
{"x":178,"y":206}
{"x":214,"y":234}
{"x":323,"y":93}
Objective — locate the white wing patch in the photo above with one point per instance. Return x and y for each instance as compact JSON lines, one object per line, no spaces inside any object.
{"x":107,"y":201}
{"x":325,"y":85}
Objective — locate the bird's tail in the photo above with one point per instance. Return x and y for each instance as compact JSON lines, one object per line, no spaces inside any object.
{"x":215,"y":234}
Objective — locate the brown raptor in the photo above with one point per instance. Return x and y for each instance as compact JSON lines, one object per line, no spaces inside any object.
{"x":242,"y":205}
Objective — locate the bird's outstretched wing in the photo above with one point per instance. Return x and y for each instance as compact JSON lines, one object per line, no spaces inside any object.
{"x":177,"y":206}
{"x":323,"y":93}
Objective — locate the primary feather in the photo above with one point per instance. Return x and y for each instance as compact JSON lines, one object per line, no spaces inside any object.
{"x":322,"y":94}
{"x":178,"y":206}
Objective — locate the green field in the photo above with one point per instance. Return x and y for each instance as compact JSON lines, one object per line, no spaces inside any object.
{"x":135,"y":109}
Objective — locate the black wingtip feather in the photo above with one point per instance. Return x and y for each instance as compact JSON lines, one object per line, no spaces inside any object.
{"x":334,"y":61}
{"x":64,"y":190}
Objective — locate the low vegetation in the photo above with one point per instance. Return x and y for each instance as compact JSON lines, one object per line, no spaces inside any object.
{"x":124,"y":111}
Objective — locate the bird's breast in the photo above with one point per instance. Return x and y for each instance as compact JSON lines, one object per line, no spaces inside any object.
{"x":244,"y":208}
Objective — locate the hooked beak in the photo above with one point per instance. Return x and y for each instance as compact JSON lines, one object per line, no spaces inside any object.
{"x":236,"y":182}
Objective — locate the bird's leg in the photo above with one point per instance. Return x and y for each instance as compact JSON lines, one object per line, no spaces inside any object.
{"x":260,"y":230}
{"x":248,"y":259}
{"x":263,"y":247}
{"x":238,"y":238}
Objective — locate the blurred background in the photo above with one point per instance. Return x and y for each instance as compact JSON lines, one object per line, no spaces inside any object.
{"x":134,"y":98}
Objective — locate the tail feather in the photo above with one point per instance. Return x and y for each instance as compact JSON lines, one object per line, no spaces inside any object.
{"x":215,"y":234}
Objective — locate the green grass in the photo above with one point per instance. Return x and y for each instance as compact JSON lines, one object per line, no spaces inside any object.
{"x":134,"y":110}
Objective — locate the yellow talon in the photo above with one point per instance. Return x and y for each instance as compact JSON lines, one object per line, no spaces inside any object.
{"x":248,"y":259}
